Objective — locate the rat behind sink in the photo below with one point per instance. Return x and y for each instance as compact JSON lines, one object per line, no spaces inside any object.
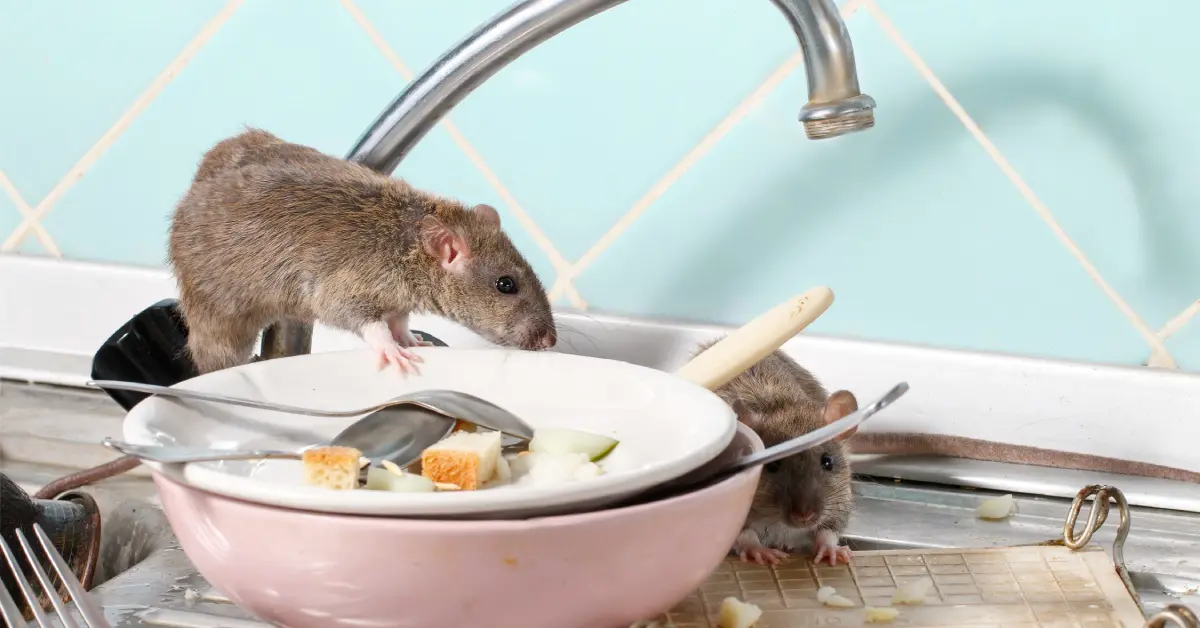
{"x":803,"y":500}
{"x":272,"y":231}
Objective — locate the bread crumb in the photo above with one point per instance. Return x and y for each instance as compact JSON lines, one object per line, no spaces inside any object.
{"x":735,"y":613}
{"x":331,"y":467}
{"x":466,"y":459}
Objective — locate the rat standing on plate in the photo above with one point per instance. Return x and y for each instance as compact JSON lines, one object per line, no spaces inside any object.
{"x":274,"y":231}
{"x":803,"y":500}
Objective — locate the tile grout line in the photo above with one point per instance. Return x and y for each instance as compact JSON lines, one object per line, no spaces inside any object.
{"x":561,"y":265}
{"x":26,"y":211}
{"x":690,"y":159}
{"x":122,"y":124}
{"x":1179,"y":321}
{"x":1160,"y":356}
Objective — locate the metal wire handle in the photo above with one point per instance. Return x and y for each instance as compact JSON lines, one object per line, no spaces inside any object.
{"x":1177,"y":614}
{"x":1096,"y":518}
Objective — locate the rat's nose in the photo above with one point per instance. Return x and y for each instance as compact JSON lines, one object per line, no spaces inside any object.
{"x":548,"y":339}
{"x":805,"y":517}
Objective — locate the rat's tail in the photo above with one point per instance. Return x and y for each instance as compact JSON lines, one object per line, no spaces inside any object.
{"x":913,"y":444}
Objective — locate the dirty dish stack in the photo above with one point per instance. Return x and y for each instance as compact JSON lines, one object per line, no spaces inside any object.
{"x":574,"y":554}
{"x":300,"y":556}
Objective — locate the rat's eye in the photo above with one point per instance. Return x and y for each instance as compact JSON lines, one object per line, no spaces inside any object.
{"x":506,"y":285}
{"x":827,"y":462}
{"x":772,"y":467}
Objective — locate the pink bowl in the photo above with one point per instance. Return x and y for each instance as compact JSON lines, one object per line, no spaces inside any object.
{"x":602,"y":569}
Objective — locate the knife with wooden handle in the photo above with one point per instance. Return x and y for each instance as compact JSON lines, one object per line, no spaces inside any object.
{"x":745,"y":346}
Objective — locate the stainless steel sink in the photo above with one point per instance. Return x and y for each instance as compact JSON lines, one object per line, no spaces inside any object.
{"x":146,"y":580}
{"x":1162,"y":551}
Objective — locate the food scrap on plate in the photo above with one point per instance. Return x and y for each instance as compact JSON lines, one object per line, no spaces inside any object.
{"x":466,"y":460}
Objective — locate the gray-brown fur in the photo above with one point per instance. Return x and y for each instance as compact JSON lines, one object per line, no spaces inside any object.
{"x":780,"y":400}
{"x":253,"y":146}
{"x":271,"y":231}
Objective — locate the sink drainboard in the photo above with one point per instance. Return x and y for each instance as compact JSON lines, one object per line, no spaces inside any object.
{"x":1162,"y":550}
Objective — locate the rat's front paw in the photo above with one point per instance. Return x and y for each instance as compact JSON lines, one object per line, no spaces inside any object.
{"x":379,"y":337}
{"x":760,"y":555}
{"x":825,"y":546}
{"x":395,"y":354}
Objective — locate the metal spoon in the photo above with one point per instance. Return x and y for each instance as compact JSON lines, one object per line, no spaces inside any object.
{"x":448,"y":403}
{"x":720,"y":470}
{"x":397,"y":434}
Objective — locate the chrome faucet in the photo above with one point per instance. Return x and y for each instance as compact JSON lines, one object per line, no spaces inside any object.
{"x":835,"y":104}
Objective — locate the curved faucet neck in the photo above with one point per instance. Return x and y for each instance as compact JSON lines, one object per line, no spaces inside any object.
{"x":836,"y":106}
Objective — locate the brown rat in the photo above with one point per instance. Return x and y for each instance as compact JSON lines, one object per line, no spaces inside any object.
{"x":803,"y":500}
{"x":273,"y":231}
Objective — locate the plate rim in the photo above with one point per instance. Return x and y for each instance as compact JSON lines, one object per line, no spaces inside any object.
{"x":356,"y":503}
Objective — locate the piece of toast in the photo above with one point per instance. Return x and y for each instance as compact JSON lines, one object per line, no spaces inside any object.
{"x":465,"y":459}
{"x":332,"y":467}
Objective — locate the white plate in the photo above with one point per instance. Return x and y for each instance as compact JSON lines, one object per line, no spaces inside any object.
{"x":666,"y":426}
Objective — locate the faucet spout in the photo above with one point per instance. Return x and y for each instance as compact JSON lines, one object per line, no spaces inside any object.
{"x":835,"y":106}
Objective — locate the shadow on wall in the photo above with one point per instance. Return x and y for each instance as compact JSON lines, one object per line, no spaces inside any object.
{"x":1007,"y":92}
{"x":910,"y":142}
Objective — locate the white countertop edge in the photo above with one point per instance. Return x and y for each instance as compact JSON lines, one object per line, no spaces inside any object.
{"x":54,"y":314}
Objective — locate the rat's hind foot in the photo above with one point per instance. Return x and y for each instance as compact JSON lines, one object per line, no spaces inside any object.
{"x":760,"y":555}
{"x":825,"y":546}
{"x":412,"y":341}
{"x":379,"y":337}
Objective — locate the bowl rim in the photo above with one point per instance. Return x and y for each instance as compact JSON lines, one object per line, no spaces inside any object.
{"x":475,"y":526}
{"x":216,"y":482}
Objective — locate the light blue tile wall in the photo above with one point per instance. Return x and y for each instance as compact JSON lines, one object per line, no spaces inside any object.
{"x":921,"y":235}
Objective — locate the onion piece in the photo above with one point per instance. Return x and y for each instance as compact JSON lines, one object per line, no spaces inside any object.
{"x":561,"y":440}
{"x":503,"y":471}
{"x":998,"y":508}
{"x":837,"y":601}
{"x":387,"y":480}
{"x":735,"y":613}
{"x":881,"y":615}
{"x":913,"y":592}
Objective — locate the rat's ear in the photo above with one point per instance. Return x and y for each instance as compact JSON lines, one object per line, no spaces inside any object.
{"x":442,"y":242}
{"x":488,"y":214}
{"x":840,"y":404}
{"x":745,"y":415}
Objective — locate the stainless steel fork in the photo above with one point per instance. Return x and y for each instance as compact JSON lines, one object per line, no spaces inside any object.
{"x":11,"y":611}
